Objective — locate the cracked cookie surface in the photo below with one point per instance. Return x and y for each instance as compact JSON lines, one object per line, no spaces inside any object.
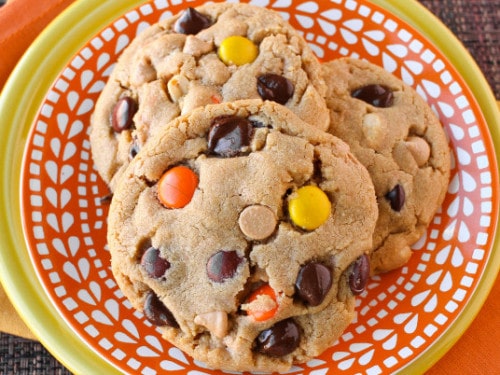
{"x":214,"y":53}
{"x":232,"y":275}
{"x":396,"y":136}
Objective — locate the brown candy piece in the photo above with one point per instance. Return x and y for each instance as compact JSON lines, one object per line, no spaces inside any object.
{"x":191,"y":22}
{"x":313,"y":283}
{"x":359,"y":274}
{"x":223,"y":265}
{"x":154,"y":265}
{"x":376,"y":95}
{"x":123,"y":114}
{"x":157,"y":313}
{"x":228,"y":135}
{"x":274,"y":87}
{"x":396,"y":197}
{"x":280,"y":339}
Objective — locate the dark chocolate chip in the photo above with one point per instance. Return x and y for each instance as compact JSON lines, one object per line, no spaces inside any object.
{"x":396,"y":197}
{"x":313,"y":283}
{"x":223,"y":265}
{"x":260,"y":125}
{"x":123,"y":114}
{"x":106,"y":199}
{"x":228,"y":135}
{"x":376,"y":95}
{"x":274,"y":87}
{"x":157,"y":313}
{"x":280,"y":339}
{"x":191,"y":22}
{"x":154,"y":265}
{"x":134,"y":150}
{"x":359,"y":274}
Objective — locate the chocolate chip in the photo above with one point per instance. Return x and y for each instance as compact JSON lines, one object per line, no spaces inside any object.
{"x":157,"y":313}
{"x":376,"y":95}
{"x":359,"y":273}
{"x":154,"y":265}
{"x":274,"y":87}
{"x":313,"y":283}
{"x":228,"y":135}
{"x":396,"y":197}
{"x":123,"y":114}
{"x":134,"y":150}
{"x":223,"y":265}
{"x":191,"y":22}
{"x":106,"y":199}
{"x":280,"y":339}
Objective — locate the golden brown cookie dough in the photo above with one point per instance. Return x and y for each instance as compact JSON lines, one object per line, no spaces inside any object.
{"x":397,"y":137}
{"x":223,"y":289}
{"x":193,"y":59}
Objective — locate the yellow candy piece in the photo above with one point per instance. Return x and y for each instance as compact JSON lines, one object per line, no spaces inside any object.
{"x":238,"y":50}
{"x":309,"y":208}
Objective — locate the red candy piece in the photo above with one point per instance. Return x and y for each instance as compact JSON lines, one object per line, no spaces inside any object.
{"x":177,"y":186}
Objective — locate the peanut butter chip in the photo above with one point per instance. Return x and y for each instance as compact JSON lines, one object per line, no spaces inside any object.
{"x":419,"y":149}
{"x":257,"y":222}
{"x":177,"y":87}
{"x":215,"y":322}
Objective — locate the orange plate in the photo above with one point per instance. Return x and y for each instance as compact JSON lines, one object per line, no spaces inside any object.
{"x":400,"y":316}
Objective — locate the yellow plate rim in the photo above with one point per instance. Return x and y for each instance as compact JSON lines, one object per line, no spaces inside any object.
{"x":58,"y":43}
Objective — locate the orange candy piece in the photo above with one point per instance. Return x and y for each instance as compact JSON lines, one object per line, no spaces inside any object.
{"x":261,"y":315}
{"x":177,"y":186}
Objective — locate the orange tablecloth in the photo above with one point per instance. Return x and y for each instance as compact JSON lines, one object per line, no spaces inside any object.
{"x":476,"y":352}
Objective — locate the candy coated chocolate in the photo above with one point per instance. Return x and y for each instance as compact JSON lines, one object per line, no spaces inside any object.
{"x":177,"y":186}
{"x":262,"y":311}
{"x":309,"y":208}
{"x":238,"y":50}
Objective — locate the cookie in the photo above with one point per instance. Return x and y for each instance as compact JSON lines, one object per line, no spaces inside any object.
{"x":214,"y":53}
{"x":396,"y":136}
{"x":243,"y":231}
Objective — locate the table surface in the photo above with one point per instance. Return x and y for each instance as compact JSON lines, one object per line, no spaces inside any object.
{"x":476,"y":24}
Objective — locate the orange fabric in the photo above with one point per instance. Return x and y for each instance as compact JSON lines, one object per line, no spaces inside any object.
{"x":21,"y":21}
{"x":476,"y":352}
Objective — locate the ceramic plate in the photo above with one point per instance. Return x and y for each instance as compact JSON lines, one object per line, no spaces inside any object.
{"x":405,"y":318}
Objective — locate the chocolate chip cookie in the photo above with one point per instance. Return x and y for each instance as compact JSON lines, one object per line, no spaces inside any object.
{"x":210,"y":54}
{"x":396,"y":136}
{"x":243,"y":233}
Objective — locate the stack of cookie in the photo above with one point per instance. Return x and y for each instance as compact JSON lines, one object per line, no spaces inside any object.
{"x":255,"y":189}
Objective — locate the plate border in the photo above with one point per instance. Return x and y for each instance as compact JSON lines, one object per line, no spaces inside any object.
{"x":454,"y":50}
{"x":18,"y":108}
